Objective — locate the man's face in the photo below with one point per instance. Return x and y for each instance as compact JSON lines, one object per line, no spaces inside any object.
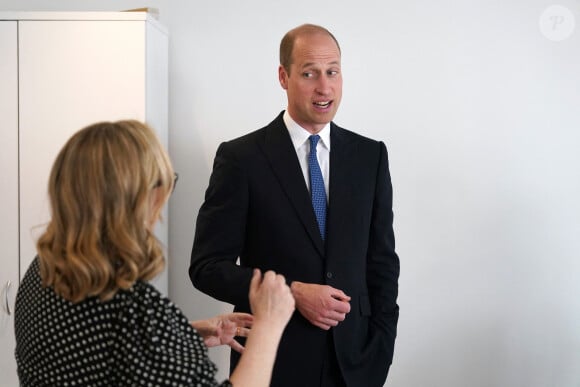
{"x":314,"y":83}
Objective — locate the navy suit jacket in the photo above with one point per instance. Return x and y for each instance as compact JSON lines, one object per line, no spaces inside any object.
{"x":257,"y":207}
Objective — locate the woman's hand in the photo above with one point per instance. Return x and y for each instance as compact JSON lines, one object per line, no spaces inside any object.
{"x":270,"y":299}
{"x":222,"y":329}
{"x":272,"y":306}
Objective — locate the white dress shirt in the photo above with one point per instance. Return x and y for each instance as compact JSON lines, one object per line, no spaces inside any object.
{"x":299,"y":137}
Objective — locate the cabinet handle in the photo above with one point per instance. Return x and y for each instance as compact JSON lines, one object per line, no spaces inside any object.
{"x":6,"y":290}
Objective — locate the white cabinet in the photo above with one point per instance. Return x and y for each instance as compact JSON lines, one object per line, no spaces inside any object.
{"x":60,"y":72}
{"x":8,"y":197}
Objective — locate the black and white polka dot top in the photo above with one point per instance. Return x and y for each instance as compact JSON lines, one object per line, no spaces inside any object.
{"x":138,"y":338}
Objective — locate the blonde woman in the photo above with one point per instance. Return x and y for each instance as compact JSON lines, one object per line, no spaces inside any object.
{"x":85,"y":313}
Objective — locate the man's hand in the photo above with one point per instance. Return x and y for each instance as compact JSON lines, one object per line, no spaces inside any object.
{"x":322,"y":305}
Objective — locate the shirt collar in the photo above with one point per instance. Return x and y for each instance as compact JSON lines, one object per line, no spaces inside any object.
{"x":299,"y":135}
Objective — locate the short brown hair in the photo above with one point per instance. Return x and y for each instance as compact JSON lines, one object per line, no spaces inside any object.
{"x":103,"y":207}
{"x":287,"y":43}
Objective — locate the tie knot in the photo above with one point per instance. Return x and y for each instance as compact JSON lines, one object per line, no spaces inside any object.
{"x":314,"y":140}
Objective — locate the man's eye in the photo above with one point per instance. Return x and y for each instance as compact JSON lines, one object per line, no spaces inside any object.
{"x":332,"y":73}
{"x":307,"y":75}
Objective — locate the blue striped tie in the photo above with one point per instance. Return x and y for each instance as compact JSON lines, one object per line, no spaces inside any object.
{"x":317,"y":191}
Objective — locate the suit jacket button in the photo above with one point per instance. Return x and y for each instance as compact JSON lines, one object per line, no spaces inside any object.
{"x":328,"y":274}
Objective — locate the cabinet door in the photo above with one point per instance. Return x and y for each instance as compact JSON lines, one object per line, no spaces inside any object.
{"x":71,"y":74}
{"x":8,"y":198}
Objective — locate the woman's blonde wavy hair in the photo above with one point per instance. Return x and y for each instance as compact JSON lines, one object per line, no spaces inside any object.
{"x":106,"y":188}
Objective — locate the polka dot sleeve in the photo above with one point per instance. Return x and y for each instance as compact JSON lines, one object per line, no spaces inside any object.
{"x":138,"y":338}
{"x":157,"y":343}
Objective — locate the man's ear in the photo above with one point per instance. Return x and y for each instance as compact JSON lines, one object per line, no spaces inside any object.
{"x":283,"y":77}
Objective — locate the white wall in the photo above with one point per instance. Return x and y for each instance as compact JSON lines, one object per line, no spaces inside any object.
{"x":480,"y":113}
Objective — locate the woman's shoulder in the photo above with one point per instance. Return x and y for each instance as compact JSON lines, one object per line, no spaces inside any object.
{"x":144,"y":293}
{"x":144,"y":305}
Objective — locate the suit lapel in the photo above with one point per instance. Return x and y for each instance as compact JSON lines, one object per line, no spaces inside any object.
{"x":342,"y":176}
{"x":280,"y":152}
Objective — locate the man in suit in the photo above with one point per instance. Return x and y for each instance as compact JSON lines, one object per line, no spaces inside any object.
{"x":318,"y":211}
